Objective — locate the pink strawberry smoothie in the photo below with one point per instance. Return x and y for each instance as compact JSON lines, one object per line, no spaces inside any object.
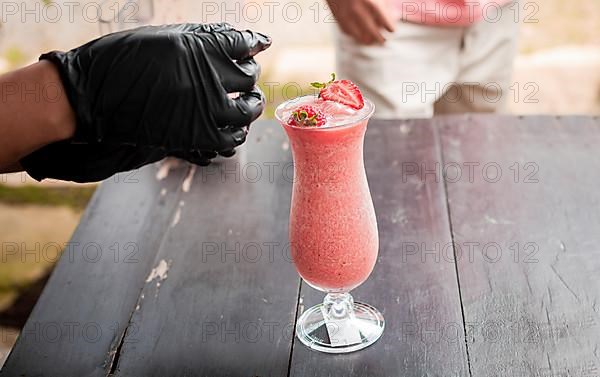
{"x":333,"y":229}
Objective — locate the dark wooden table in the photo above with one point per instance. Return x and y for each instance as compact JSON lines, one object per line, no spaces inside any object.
{"x":492,"y":271}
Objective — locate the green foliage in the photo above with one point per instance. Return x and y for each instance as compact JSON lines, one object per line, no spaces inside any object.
{"x":17,"y":272}
{"x":15,"y":56}
{"x":73,"y":197}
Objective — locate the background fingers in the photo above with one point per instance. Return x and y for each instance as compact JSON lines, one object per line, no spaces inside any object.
{"x":381,"y":18}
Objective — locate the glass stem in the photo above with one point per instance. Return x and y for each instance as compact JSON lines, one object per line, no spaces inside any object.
{"x":338,"y":306}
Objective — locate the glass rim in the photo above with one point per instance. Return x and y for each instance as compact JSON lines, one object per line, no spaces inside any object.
{"x":349,"y":123}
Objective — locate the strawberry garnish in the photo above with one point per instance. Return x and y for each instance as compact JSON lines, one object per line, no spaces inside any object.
{"x":341,"y":91}
{"x":306,"y":116}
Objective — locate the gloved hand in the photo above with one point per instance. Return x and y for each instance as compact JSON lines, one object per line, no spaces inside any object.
{"x":152,"y":91}
{"x":95,"y":162}
{"x":87,"y":162}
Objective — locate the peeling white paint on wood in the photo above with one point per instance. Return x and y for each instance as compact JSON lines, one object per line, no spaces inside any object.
{"x":159,"y":273}
{"x":165,"y":167}
{"x":187,"y":182}
{"x":177,"y":215}
{"x":494,"y":221}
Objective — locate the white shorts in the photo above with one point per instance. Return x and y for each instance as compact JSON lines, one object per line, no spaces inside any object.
{"x":424,"y":70}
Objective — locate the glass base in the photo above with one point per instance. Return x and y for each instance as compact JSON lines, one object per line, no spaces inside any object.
{"x":339,"y":325}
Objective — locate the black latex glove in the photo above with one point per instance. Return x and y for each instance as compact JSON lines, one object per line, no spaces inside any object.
{"x":87,"y":162}
{"x":154,"y":91}
{"x":95,"y":162}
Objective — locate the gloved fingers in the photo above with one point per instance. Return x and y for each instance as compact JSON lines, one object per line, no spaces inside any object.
{"x":228,"y":153}
{"x":209,"y":154}
{"x":197,"y":158}
{"x":239,"y":76}
{"x":244,"y":44}
{"x":201,"y":158}
{"x":231,"y":137}
{"x":218,"y":27}
{"x":242,"y":110}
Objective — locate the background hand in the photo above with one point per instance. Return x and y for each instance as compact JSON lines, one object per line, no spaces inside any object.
{"x":362,"y":20}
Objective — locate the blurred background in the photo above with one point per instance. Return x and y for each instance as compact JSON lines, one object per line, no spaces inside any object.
{"x":559,"y":53}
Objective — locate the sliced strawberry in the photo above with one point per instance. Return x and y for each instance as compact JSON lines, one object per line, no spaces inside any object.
{"x":307,"y":116}
{"x":341,"y":91}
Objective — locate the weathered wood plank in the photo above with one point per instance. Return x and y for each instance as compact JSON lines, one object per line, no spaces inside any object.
{"x":76,"y":326}
{"x":228,"y":302}
{"x":529,"y":239}
{"x":414,"y":282}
